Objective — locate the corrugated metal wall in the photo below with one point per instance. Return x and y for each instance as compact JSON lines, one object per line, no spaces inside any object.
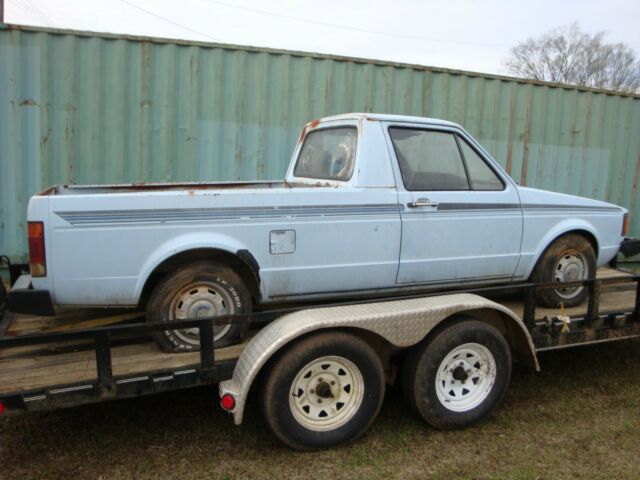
{"x":76,"y":108}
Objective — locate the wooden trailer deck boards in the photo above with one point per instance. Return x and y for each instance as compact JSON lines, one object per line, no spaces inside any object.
{"x":29,"y":368}
{"x":74,"y":361}
{"x":615,"y":297}
{"x":29,"y":372}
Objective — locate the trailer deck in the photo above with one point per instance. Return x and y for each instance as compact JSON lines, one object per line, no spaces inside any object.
{"x":80,"y":357}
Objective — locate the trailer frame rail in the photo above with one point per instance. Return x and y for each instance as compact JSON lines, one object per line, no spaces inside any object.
{"x":558,"y":331}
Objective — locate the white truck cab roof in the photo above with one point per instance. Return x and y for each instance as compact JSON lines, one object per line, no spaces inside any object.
{"x":377,"y":171}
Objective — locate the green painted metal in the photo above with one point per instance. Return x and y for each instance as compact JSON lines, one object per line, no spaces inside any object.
{"x":87,"y":108}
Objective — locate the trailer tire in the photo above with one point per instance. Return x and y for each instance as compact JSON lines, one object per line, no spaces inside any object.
{"x":570,"y":257}
{"x":198,"y":289}
{"x":457,"y":377}
{"x":325,"y":390}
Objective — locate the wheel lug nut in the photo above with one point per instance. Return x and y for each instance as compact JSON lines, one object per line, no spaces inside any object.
{"x":319,"y":400}
{"x":320,"y":379}
{"x":333,"y":382}
{"x":312,"y":391}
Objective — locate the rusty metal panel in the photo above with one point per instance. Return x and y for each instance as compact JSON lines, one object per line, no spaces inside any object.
{"x":89,"y":108}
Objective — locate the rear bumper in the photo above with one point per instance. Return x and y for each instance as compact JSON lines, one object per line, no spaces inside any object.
{"x":22,"y":298}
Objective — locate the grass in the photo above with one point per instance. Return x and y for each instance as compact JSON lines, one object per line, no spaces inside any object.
{"x":578,"y":418}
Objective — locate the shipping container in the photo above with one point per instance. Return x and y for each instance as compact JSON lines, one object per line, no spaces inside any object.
{"x":79,"y":107}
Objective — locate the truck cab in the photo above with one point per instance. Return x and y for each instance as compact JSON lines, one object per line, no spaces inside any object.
{"x":434,"y":178}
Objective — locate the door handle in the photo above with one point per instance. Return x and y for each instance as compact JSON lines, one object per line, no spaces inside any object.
{"x":422,"y":202}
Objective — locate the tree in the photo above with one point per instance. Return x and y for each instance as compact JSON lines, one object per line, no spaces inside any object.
{"x":569,"y":55}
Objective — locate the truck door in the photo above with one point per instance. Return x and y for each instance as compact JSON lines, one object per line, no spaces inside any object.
{"x":461,"y":218}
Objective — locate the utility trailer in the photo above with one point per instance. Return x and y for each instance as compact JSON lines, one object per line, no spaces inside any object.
{"x":321,"y":370}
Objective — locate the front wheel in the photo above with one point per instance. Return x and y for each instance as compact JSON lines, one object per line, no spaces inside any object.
{"x":323,"y":391}
{"x":568,"y":259}
{"x":197,"y":290}
{"x":460,"y":375}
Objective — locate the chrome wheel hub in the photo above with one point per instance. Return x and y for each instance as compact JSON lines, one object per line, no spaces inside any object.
{"x":570,"y":267}
{"x":199,"y":301}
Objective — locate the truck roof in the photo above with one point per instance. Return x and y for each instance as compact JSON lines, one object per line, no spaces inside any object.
{"x":386,"y":117}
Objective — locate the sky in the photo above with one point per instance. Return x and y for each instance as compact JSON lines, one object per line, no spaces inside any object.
{"x":458,"y":34}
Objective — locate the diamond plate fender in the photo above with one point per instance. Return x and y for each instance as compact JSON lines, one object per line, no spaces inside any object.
{"x":403,"y":323}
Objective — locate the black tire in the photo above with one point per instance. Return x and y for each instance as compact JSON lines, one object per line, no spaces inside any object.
{"x":306,"y":429}
{"x":568,"y":248}
{"x":420,"y":374}
{"x":219,"y":290}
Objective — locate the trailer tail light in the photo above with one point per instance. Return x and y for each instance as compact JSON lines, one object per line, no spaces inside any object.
{"x":37,"y":260}
{"x":2,"y":408}
{"x":227,"y":402}
{"x":625,"y":224}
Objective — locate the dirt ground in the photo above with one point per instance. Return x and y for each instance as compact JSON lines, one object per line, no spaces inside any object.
{"x":578,"y":418}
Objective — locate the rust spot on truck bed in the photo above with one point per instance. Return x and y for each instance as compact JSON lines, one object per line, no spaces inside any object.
{"x":189,"y":187}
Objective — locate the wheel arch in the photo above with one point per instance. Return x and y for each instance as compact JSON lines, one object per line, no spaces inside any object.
{"x":408,"y":326}
{"x":584,"y":229}
{"x":242,"y":261}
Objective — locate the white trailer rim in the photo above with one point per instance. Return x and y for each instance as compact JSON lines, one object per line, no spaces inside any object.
{"x":326,"y":393}
{"x":465,"y":377}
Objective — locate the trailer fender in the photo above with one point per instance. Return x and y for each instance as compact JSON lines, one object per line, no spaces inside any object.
{"x":402,"y":323}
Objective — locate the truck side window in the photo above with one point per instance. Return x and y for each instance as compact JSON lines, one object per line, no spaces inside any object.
{"x":328,"y":154}
{"x":428,"y":160}
{"x":481,"y":175}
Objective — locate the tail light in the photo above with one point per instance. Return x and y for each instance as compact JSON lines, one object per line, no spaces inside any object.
{"x":37,"y":260}
{"x":625,"y":224}
{"x":228,"y":402}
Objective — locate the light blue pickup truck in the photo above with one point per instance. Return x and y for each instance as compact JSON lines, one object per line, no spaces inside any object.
{"x":371,"y":205}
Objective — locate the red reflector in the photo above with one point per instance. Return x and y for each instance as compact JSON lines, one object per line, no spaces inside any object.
{"x":625,"y":224}
{"x":37,"y":261}
{"x":1,"y":408}
{"x":228,"y":402}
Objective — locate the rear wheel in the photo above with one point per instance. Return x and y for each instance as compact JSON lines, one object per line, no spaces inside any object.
{"x":323,"y":391}
{"x":460,"y":375}
{"x":567,"y":259}
{"x":197,"y":290}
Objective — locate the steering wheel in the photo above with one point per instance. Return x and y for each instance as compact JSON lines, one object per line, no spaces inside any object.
{"x":338,"y":162}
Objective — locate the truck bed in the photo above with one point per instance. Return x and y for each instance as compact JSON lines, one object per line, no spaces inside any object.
{"x":30,"y":368}
{"x":146,"y":187}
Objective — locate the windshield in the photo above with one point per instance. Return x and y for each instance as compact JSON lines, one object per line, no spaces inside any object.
{"x":328,"y":154}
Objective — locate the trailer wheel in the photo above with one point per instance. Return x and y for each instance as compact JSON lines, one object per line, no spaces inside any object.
{"x":202,"y":289}
{"x":569,"y":258}
{"x":457,"y":377}
{"x":323,"y":391}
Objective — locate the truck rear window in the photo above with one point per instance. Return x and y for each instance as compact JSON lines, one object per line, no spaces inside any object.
{"x":328,"y":154}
